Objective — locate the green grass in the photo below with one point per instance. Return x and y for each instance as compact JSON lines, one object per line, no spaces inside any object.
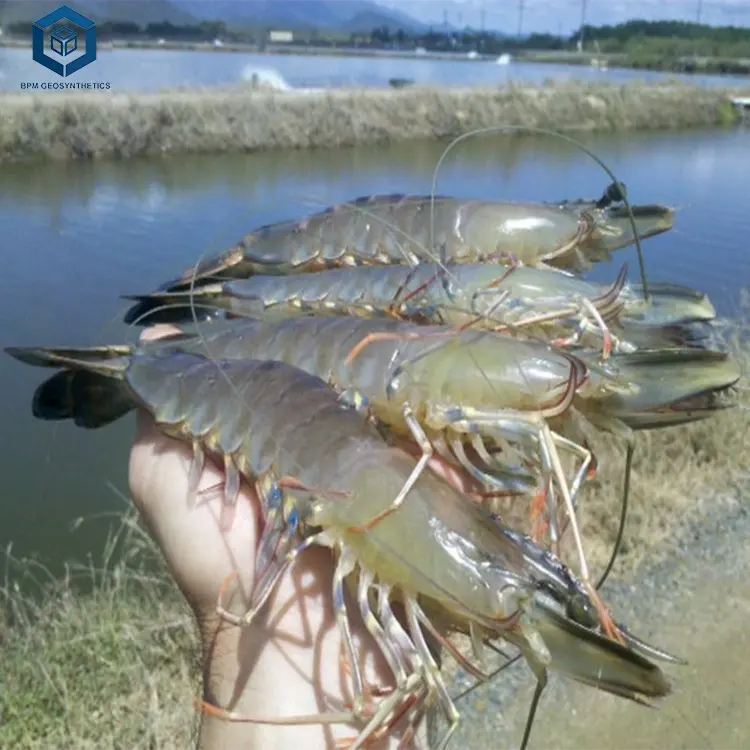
{"x":116,"y":667}
{"x":109,"y":669}
{"x":72,"y":124}
{"x":729,"y":115}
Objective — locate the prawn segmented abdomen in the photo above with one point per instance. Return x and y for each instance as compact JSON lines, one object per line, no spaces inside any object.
{"x":261,"y":415}
{"x":164,"y":382}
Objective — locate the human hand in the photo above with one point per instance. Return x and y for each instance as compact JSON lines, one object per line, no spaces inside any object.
{"x":287,"y":662}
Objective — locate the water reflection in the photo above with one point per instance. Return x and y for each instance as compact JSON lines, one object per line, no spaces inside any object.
{"x":151,"y":181}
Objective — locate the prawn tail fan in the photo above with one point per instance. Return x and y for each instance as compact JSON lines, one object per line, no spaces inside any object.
{"x":89,"y":389}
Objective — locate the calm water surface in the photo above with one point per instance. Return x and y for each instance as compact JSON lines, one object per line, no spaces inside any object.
{"x":142,"y":70}
{"x":75,"y":236}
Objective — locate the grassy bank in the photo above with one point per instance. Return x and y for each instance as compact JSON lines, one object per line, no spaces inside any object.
{"x":74,"y":124}
{"x":639,"y":59}
{"x":116,"y":668}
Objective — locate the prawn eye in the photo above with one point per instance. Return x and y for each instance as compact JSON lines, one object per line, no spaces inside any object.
{"x":582,"y":611}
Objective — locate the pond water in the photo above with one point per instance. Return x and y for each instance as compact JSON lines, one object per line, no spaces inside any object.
{"x":77,"y":235}
{"x":141,"y":70}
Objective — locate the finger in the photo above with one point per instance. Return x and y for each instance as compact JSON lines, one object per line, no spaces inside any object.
{"x":200,"y":551}
{"x":187,"y":526}
{"x":158,"y":331}
{"x":453,"y":475}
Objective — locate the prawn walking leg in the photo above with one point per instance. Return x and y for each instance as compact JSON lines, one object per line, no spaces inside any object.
{"x":263,"y":588}
{"x":346,"y":564}
{"x":472,"y":420}
{"x":586,"y":305}
{"x":393,"y":644}
{"x":427,"y":452}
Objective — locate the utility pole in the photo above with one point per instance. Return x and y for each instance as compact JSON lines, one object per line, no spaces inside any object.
{"x":583,"y":23}
{"x":482,"y":15}
{"x":700,"y":11}
{"x":520,"y":18}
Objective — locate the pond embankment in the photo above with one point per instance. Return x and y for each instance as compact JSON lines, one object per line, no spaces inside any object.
{"x":72,"y":124}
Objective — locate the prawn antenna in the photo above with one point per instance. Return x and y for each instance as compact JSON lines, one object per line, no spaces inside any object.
{"x":616,"y":191}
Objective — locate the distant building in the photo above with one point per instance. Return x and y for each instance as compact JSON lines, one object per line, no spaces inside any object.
{"x":280,"y":37}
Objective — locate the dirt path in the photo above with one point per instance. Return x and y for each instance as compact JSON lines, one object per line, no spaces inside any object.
{"x":696,"y":605}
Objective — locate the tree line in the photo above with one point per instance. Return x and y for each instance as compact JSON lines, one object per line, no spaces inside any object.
{"x":673,"y":45}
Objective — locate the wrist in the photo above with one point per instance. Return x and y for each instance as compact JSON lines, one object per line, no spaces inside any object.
{"x":225,"y":687}
{"x":285,"y":665}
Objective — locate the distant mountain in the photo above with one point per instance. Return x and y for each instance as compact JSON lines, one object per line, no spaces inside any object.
{"x":346,"y":16}
{"x":142,"y":13}
{"x":367,"y":20}
{"x":325,"y":15}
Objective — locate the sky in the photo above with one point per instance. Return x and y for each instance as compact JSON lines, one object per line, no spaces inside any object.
{"x":563,"y":16}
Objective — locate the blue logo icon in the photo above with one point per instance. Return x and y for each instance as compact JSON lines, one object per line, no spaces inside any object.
{"x":63,"y":41}
{"x":64,"y":27}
